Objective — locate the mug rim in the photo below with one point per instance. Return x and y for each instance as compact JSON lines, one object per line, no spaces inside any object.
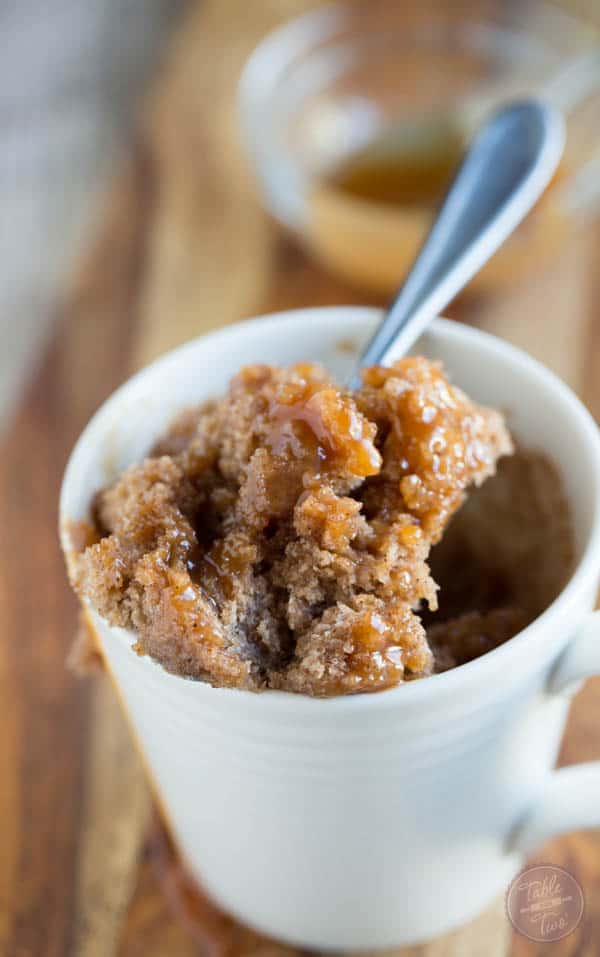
{"x":408,"y":692}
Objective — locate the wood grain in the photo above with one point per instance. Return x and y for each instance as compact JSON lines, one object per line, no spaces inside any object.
{"x":114,"y":800}
{"x":45,"y":731}
{"x":183,"y":246}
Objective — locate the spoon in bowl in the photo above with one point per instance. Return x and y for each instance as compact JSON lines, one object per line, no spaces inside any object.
{"x":503,"y":174}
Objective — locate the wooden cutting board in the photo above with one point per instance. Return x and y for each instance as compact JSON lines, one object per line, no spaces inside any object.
{"x":183,"y":247}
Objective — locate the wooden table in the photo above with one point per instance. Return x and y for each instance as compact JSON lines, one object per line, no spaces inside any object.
{"x":182,"y":247}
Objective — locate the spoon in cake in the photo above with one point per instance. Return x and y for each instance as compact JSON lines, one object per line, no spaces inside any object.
{"x":504,"y":172}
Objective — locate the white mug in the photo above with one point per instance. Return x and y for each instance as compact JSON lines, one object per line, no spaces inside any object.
{"x":375,"y":820}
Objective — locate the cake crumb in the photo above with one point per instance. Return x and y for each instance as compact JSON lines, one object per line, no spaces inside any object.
{"x":279,"y":537}
{"x":85,"y":658}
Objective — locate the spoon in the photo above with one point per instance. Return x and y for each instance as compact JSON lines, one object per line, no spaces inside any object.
{"x":503,"y":174}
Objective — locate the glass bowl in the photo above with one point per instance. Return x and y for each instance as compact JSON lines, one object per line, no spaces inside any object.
{"x":319,"y":89}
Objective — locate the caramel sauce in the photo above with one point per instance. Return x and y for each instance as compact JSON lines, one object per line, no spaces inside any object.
{"x":410,"y":535}
{"x":217,"y":570}
{"x":377,"y":660}
{"x":192,"y":617}
{"x":334,"y":433}
{"x":368,"y":218}
{"x":405,"y":178}
{"x":431,"y":443}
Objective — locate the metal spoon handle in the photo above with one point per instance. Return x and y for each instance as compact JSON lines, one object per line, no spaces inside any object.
{"x":508,"y":166}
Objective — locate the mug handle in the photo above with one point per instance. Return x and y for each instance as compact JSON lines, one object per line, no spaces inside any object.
{"x":571,"y":798}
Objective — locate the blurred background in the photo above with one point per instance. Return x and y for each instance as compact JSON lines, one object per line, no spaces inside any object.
{"x":170,"y":166}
